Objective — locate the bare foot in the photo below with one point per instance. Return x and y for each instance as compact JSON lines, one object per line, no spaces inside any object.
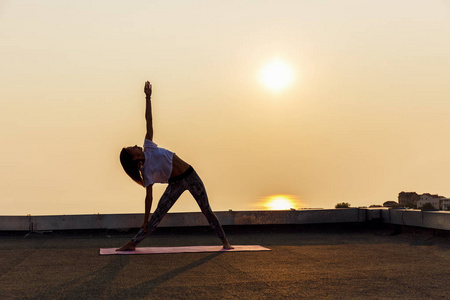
{"x":227,"y":246}
{"x":130,"y":246}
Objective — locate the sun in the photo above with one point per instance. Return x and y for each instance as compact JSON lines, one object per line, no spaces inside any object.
{"x":276,"y":75}
{"x":280,"y":202}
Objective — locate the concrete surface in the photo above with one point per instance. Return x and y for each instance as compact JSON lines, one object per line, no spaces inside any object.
{"x":307,"y":262}
{"x":429,"y":219}
{"x":426,"y":219}
{"x":187,"y":219}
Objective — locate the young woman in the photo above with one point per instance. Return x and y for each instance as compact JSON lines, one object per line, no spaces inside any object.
{"x":158,"y":165}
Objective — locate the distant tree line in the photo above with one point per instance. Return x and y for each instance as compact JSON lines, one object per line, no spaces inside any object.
{"x":427,"y":206}
{"x":392,"y":204}
{"x":342,"y":205}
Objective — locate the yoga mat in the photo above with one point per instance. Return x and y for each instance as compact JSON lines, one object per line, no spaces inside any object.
{"x":186,"y":249}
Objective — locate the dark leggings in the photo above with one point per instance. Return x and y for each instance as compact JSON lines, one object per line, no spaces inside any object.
{"x":188,"y":181}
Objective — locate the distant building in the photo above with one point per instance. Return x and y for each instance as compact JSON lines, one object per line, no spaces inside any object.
{"x":434,"y":200}
{"x":408,"y":199}
{"x":412,"y":199}
{"x":446,"y":204}
{"x":390,"y":204}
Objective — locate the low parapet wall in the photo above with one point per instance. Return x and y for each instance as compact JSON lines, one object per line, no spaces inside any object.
{"x":418,"y":218}
{"x":428,"y":219}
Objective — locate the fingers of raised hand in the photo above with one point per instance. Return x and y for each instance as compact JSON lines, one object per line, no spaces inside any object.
{"x":148,"y":87}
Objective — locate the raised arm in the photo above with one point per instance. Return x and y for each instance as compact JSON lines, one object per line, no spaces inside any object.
{"x":148,"y":110}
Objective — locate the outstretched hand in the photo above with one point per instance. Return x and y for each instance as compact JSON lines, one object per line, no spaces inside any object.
{"x":148,"y":89}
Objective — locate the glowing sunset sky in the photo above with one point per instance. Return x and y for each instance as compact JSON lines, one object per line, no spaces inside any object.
{"x":366,"y":115}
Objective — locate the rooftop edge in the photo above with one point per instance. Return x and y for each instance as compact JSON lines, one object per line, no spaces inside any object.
{"x":427,"y":219}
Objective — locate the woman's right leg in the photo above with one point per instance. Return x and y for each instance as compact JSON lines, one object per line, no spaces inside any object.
{"x":168,"y":199}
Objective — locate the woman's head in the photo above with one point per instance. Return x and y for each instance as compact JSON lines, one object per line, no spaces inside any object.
{"x":132,"y":159}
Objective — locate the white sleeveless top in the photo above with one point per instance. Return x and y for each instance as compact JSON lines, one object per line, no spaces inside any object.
{"x":158,"y":164}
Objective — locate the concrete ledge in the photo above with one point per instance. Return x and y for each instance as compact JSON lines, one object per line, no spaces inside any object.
{"x":427,"y":219}
{"x":418,"y":218}
{"x":125,"y":221}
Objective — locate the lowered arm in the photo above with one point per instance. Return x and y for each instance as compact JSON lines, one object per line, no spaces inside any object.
{"x":148,"y":205}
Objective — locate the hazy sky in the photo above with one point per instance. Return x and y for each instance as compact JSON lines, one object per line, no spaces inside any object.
{"x":366,"y":116}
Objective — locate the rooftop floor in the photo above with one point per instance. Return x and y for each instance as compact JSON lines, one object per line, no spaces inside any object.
{"x":305,"y":262}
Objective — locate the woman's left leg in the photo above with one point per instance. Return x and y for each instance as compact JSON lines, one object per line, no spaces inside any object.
{"x":198,"y":191}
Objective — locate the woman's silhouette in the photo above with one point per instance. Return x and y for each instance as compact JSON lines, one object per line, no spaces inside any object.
{"x":153,"y":164}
